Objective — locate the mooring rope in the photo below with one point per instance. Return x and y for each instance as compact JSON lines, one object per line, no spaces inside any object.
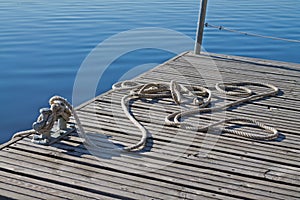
{"x":59,"y":107}
{"x":251,"y":34}
{"x":197,"y":95}
{"x":178,"y":91}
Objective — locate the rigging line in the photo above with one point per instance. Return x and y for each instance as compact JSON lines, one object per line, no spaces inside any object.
{"x":251,"y":34}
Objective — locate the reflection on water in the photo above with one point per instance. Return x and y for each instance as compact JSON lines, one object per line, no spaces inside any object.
{"x":42,"y":44}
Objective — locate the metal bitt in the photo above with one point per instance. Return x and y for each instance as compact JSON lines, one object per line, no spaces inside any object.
{"x":200,"y":28}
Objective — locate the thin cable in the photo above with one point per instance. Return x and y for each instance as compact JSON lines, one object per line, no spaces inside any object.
{"x":251,"y":34}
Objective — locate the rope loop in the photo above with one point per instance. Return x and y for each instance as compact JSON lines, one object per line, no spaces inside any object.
{"x":200,"y":96}
{"x":233,"y":89}
{"x":126,"y":85}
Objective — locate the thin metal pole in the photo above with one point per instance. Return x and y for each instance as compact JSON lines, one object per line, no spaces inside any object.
{"x":200,"y":28}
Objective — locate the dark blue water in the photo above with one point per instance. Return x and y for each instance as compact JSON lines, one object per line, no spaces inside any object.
{"x":43,"y":43}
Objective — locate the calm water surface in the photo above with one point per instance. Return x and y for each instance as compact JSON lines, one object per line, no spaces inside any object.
{"x":42,"y":45}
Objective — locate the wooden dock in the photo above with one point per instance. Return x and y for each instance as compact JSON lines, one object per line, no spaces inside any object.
{"x":176,"y":163}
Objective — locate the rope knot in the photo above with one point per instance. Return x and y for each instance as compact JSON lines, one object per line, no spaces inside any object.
{"x":58,"y":111}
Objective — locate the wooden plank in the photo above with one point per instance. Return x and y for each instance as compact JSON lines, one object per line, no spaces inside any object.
{"x":234,"y":168}
{"x":125,"y":120}
{"x":186,"y":176}
{"x":64,"y":177}
{"x":220,"y":150}
{"x":123,"y":123}
{"x":246,"y":163}
{"x":134,"y":182}
{"x":256,"y":64}
{"x":188,"y":72}
{"x":8,"y":192}
{"x":158,"y":118}
{"x":186,"y":68}
{"x":290,"y":93}
{"x":51,"y":189}
{"x":278,"y":116}
{"x":109,"y":177}
{"x":236,"y":68}
{"x":286,"y":173}
{"x":184,"y":136}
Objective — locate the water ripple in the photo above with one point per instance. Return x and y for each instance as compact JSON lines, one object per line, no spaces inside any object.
{"x":42,"y":43}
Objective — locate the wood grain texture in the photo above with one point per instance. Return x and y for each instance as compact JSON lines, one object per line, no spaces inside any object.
{"x":175,"y":163}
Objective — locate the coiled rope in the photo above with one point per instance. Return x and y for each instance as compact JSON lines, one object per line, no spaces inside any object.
{"x":201,"y":97}
{"x":177,"y":93}
{"x":251,"y":34}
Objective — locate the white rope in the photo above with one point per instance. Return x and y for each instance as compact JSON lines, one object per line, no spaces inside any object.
{"x":201,"y":98}
{"x":176,"y":91}
{"x":59,"y":107}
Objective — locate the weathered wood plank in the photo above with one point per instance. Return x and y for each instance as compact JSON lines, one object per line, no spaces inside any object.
{"x":158,"y":118}
{"x":288,"y":173}
{"x":45,"y":189}
{"x":135,"y":180}
{"x":231,"y":168}
{"x":284,"y":121}
{"x":19,"y":165}
{"x":8,"y":191}
{"x":133,"y":184}
{"x":290,"y":93}
{"x":188,"y":176}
